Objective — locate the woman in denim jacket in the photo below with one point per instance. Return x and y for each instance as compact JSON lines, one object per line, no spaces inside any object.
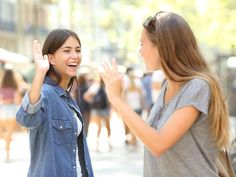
{"x":57,"y":143}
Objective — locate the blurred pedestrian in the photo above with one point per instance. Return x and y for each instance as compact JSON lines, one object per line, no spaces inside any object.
{"x":84,"y":106}
{"x":134,"y":95}
{"x":9,"y":102}
{"x":100,"y":108}
{"x":147,"y":85}
{"x":57,"y":143}
{"x":189,"y":122}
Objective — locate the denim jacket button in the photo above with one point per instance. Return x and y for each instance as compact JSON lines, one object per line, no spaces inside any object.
{"x":61,"y":127}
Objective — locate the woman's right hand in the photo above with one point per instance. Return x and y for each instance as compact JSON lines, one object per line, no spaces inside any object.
{"x":41,"y":62}
{"x":42,"y":66}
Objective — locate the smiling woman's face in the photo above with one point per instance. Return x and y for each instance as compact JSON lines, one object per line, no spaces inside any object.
{"x":67,"y":58}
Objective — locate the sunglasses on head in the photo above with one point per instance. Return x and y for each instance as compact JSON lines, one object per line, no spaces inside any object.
{"x":150,"y":22}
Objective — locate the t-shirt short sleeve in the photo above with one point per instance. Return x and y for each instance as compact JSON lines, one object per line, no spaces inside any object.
{"x":196,"y":93}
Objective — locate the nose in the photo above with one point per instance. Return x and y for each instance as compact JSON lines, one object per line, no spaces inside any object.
{"x":74,"y":54}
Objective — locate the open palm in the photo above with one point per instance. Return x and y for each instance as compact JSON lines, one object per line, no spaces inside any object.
{"x":113,"y":80}
{"x":41,"y":62}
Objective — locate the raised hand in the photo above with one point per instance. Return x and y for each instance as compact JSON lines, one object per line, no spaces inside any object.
{"x":42,"y":66}
{"x":113,"y":80}
{"x":41,"y":62}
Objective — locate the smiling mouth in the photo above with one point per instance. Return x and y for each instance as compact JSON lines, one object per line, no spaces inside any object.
{"x":73,"y":65}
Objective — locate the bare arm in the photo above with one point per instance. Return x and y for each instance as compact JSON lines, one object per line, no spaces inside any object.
{"x":156,"y":141}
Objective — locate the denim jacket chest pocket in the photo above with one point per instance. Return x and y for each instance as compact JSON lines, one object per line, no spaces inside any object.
{"x":62,"y":131}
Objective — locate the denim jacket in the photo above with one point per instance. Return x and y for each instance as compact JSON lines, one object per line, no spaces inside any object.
{"x":53,"y":134}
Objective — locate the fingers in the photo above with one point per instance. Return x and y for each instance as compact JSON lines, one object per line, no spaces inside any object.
{"x":111,"y":68}
{"x":37,"y":50}
{"x":108,"y":70}
{"x":114,"y":65}
{"x":107,"y":66}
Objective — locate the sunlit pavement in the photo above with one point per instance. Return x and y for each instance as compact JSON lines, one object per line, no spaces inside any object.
{"x":120,"y":161}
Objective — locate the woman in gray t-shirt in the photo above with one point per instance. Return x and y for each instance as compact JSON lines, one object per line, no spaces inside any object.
{"x":189,"y":121}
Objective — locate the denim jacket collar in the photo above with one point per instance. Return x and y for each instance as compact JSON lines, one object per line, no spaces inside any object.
{"x":61,"y":92}
{"x":57,"y":88}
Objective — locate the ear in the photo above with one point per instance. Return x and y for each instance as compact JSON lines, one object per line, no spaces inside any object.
{"x":51,"y":59}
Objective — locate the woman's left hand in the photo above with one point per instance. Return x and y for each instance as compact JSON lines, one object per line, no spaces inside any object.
{"x":113,"y":80}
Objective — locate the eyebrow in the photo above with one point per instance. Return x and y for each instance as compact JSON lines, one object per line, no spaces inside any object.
{"x":68,"y":47}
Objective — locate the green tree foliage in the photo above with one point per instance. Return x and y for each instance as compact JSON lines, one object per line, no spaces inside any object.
{"x":119,"y":24}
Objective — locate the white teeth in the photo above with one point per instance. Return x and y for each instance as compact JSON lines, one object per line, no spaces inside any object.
{"x":73,"y":64}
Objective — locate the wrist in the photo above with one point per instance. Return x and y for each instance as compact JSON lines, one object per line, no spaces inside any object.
{"x":39,"y":78}
{"x":40,"y":74}
{"x":116,"y":101}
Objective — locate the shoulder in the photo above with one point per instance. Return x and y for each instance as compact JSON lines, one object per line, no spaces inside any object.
{"x":196,"y":86}
{"x":47,"y":90}
{"x":197,"y":83}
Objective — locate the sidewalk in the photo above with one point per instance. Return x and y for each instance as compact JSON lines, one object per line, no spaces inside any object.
{"x":121,"y":161}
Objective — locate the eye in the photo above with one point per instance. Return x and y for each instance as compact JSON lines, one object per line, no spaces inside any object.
{"x":66,"y":51}
{"x":78,"y":51}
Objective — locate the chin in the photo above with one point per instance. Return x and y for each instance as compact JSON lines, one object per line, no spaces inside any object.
{"x":72,"y":73}
{"x":151,"y":69}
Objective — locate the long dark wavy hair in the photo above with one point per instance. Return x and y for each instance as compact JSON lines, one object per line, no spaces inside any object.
{"x":53,"y":42}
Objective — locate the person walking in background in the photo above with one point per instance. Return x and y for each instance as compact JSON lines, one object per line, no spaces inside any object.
{"x":147,"y":85}
{"x":84,"y":106}
{"x":100,"y":108}
{"x":9,"y":102}
{"x":57,"y":143}
{"x":134,"y":96}
{"x":189,"y":121}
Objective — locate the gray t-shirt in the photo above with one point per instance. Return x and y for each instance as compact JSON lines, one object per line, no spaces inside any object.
{"x":194,"y":155}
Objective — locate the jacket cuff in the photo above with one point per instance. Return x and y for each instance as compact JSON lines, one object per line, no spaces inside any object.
{"x":31,"y":108}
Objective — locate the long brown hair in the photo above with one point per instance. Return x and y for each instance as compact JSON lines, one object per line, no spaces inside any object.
{"x":182,"y":61}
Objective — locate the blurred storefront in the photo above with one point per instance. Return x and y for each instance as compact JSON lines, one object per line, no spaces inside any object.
{"x":22,"y":21}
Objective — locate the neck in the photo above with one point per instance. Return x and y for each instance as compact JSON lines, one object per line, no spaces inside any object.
{"x":64,"y":83}
{"x":173,"y":85}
